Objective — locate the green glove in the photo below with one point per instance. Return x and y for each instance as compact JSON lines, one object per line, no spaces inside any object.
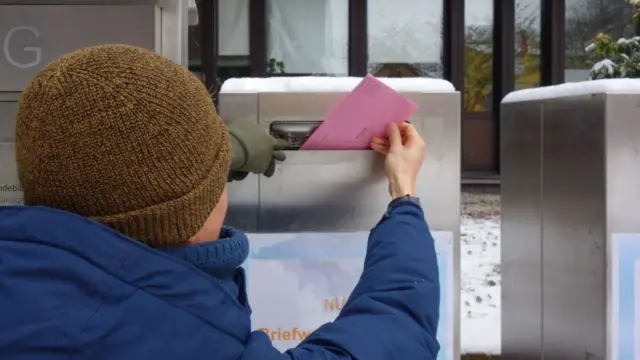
{"x":252,"y":150}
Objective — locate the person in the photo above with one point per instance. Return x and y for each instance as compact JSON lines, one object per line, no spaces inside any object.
{"x":120,"y":250}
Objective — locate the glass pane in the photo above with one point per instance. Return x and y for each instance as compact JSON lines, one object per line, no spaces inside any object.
{"x":405,"y":38}
{"x":584,"y":20}
{"x":307,"y":37}
{"x":478,"y":46}
{"x":233,"y":27}
{"x":527,"y":44}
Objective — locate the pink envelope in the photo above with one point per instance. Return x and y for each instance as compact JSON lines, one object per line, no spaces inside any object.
{"x":361,"y":115}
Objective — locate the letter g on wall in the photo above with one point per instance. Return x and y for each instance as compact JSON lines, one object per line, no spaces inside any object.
{"x":36,"y":50}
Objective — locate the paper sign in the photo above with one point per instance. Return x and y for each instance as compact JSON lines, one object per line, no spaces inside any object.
{"x":625,"y":297}
{"x":297,"y":282}
{"x":361,"y":115}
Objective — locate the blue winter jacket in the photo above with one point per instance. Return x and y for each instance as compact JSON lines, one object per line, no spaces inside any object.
{"x":71,"y":288}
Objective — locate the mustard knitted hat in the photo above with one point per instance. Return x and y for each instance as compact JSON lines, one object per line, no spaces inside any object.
{"x":126,"y":137}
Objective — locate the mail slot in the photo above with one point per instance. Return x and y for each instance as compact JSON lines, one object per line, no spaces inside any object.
{"x":316,"y":197}
{"x":292,"y":134}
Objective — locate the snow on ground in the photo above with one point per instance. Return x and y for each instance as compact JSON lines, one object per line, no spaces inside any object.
{"x":480,"y":266}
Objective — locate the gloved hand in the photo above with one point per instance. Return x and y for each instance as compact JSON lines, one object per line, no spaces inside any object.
{"x":252,"y":150}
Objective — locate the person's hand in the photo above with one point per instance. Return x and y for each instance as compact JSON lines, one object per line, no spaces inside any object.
{"x":252,"y":150}
{"x":405,"y":151}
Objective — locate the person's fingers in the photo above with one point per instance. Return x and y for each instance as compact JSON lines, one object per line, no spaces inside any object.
{"x":271,"y":169}
{"x":384,"y":150}
{"x":279,"y":155}
{"x":280,"y":144}
{"x":409,"y":133}
{"x":237,"y":176}
{"x":380,"y":141}
{"x":395,"y":139}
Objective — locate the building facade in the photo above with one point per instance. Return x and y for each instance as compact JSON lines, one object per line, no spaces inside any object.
{"x":486,"y":48}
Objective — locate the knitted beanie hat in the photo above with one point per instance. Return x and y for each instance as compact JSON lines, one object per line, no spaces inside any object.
{"x":126,"y":137}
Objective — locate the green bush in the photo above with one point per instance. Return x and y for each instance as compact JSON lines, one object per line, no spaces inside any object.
{"x":619,"y":58}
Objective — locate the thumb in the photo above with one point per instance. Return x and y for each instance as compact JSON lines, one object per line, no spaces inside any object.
{"x":395,"y":139}
{"x":410,"y":133}
{"x":280,"y":144}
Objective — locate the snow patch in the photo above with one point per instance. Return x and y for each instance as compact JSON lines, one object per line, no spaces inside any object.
{"x":575,"y":89}
{"x":311,"y":84}
{"x":480,"y":285}
{"x":606,"y":65}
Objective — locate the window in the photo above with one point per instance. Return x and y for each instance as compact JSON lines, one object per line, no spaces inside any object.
{"x":584,"y":19}
{"x":478,"y":46}
{"x":233,"y":37}
{"x":233,"y":40}
{"x":405,"y":38}
{"x":307,"y":37}
{"x":527,"y":44}
{"x":233,"y":28}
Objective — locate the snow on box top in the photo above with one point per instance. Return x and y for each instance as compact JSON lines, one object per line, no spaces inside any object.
{"x":574,"y":89}
{"x":310,"y":84}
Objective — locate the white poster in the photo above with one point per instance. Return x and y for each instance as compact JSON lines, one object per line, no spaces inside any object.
{"x":625,"y":297}
{"x":297,"y":282}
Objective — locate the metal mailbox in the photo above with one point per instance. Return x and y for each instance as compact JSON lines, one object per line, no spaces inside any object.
{"x":327,"y":191}
{"x":32,"y":35}
{"x":570,"y":162}
{"x":339,"y":190}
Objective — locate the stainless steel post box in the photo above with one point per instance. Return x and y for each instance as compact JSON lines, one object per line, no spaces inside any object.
{"x":327,"y":192}
{"x":32,"y":34}
{"x":570,"y":164}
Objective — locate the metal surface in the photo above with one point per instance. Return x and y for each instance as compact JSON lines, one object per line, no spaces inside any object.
{"x":7,"y":120}
{"x":338,"y":191}
{"x":10,"y":190}
{"x":569,"y":180}
{"x":521,"y":256}
{"x":573,"y":242}
{"x":33,"y":35}
{"x":623,"y":170}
